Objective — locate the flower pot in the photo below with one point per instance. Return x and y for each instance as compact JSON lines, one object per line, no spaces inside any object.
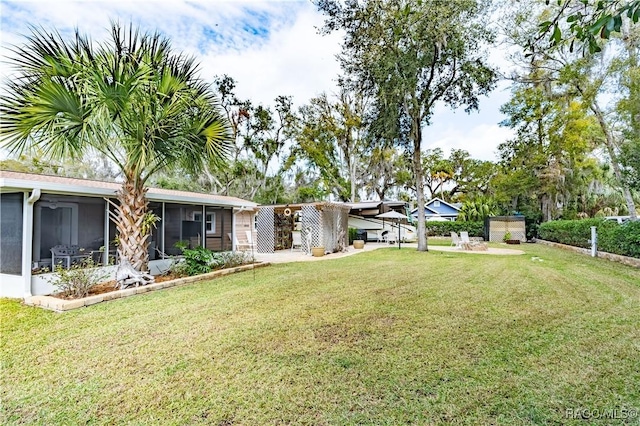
{"x":358,"y":244}
{"x":317,"y":251}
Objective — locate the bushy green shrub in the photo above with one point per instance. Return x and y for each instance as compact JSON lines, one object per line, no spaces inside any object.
{"x":628,"y":239}
{"x":78,"y":279}
{"x":200,"y":260}
{"x":475,"y":229}
{"x":571,"y":232}
{"x":614,"y":238}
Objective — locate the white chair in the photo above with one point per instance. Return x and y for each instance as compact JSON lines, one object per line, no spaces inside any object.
{"x":380,"y":235}
{"x":464,"y":239}
{"x":392,"y":238}
{"x":455,"y":240}
{"x":296,"y":240}
{"x":250,"y":239}
{"x":467,"y":244}
{"x":241,"y":246}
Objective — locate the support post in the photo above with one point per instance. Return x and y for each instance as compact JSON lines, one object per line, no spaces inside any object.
{"x":27,"y":238}
{"x":594,"y":242}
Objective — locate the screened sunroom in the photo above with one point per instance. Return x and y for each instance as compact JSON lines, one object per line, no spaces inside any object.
{"x":48,"y":220}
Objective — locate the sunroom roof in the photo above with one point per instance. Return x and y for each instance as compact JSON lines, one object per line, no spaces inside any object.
{"x":17,"y":181}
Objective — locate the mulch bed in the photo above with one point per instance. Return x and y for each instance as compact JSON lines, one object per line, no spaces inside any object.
{"x":109,"y":286}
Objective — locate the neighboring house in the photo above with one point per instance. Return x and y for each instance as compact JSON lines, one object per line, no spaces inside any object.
{"x":438,"y":209}
{"x":39,"y":212}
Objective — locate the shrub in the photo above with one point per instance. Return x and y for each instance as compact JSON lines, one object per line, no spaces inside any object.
{"x":352,"y":235}
{"x":475,"y":229}
{"x":229,"y":259}
{"x":197,"y":260}
{"x":200,"y":260}
{"x":614,"y":238}
{"x":78,"y":279}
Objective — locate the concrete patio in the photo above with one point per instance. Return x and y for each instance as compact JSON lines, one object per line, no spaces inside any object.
{"x":285,"y":256}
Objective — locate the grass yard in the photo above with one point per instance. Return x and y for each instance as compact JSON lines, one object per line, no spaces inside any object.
{"x":386,"y":337}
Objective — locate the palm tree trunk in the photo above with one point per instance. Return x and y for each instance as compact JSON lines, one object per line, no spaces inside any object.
{"x":132,"y":209}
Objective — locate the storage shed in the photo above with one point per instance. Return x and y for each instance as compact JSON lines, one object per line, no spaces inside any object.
{"x":496,"y":227}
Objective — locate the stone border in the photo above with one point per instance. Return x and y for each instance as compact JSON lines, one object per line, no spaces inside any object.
{"x":62,"y":305}
{"x":626,"y":260}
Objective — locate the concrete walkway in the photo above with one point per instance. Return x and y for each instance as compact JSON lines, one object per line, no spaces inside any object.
{"x":285,"y":256}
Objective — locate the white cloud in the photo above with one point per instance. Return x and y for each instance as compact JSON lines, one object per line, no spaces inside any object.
{"x":295,"y":61}
{"x":270,"y":48}
{"x":481,"y":141}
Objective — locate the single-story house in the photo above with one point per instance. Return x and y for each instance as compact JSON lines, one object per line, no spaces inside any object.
{"x":438,"y":209}
{"x":39,"y":212}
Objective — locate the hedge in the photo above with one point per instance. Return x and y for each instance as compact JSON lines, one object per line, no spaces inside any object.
{"x":623,"y":239}
{"x":475,"y":229}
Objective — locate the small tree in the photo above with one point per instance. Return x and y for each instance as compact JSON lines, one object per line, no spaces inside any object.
{"x":410,"y":55}
{"x":131,"y":99}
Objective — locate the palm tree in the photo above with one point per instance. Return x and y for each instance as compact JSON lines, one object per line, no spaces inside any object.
{"x":130,"y":99}
{"x":477,"y":210}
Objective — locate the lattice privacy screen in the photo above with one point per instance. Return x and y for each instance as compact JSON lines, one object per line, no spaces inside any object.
{"x":311,"y":228}
{"x":321,"y":225}
{"x":498,"y":227}
{"x":266,"y":233}
{"x":335,"y":227}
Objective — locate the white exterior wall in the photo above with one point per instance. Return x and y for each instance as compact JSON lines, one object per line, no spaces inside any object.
{"x":12,"y":286}
{"x":41,"y":286}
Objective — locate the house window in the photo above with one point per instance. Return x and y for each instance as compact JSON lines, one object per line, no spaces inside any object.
{"x":210,"y":222}
{"x":436,"y":203}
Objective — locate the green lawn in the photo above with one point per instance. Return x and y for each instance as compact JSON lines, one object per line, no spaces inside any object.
{"x":385,"y":337}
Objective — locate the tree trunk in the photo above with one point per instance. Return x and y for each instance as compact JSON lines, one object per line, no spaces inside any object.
{"x":132,"y":209}
{"x":352,"y":175}
{"x":417,"y":173}
{"x":611,"y":149}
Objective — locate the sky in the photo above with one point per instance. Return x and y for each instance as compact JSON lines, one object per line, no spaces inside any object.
{"x":269,"y":47}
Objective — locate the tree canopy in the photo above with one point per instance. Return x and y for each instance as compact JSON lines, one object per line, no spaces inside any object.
{"x":130,"y":98}
{"x":410,"y":55}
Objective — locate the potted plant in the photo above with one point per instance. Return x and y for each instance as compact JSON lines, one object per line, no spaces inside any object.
{"x":317,"y":251}
{"x":507,"y":239}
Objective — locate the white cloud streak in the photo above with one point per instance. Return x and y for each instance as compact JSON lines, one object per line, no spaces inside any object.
{"x":270,"y":48}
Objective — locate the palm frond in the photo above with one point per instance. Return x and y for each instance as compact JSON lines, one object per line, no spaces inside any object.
{"x":130,"y":97}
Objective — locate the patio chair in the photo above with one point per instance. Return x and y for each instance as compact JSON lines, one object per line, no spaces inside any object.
{"x":392,"y":238}
{"x":380,"y":235}
{"x":296,"y":240}
{"x":241,"y":246}
{"x":455,"y":240}
{"x":467,"y":244}
{"x":249,"y":234}
{"x":68,"y":253}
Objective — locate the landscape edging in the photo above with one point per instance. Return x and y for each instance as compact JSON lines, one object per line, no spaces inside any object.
{"x":62,"y":305}
{"x":626,"y":260}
